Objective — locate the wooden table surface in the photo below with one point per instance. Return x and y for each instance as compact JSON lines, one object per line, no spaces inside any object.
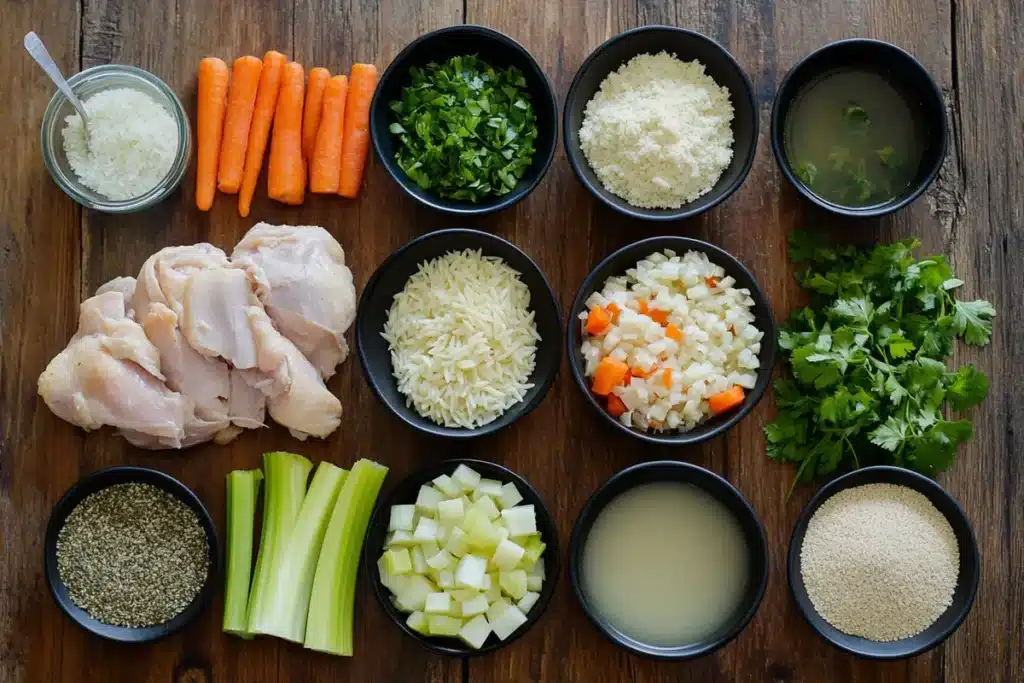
{"x":53,"y":254}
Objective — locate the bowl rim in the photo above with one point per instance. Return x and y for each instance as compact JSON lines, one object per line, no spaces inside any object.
{"x":590,"y":512}
{"x":520,"y":409}
{"x":93,"y":483}
{"x":552,"y":561}
{"x":776,"y":132}
{"x":879,"y":474}
{"x":720,"y":257}
{"x":93,"y":200}
{"x":577,"y":159}
{"x":439,"y":203}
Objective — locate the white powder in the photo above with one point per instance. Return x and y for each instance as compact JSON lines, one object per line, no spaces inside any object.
{"x":133,"y":141}
{"x":658,"y":132}
{"x":880,"y":561}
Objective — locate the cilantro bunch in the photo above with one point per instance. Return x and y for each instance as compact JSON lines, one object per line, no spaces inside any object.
{"x":868,"y":359}
{"x":466,"y":130}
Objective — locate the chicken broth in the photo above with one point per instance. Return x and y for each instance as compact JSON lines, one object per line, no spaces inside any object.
{"x":666,"y":564}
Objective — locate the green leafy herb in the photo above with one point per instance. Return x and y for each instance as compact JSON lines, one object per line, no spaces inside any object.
{"x":807,"y":172}
{"x":466,"y":130}
{"x":856,"y":118}
{"x":868,"y":359}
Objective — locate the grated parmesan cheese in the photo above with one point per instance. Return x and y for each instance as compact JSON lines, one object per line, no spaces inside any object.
{"x":658,"y":132}
{"x":463,"y":339}
{"x":133,"y":141}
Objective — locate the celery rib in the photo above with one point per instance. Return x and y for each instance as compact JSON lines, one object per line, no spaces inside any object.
{"x":243,"y":487}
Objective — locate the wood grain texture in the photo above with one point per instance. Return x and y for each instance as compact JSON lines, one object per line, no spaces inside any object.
{"x":51,"y":255}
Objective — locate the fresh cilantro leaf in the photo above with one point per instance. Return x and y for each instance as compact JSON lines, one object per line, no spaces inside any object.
{"x":935,"y":449}
{"x":895,"y":390}
{"x":857,"y":310}
{"x":890,"y":435}
{"x":900,"y":346}
{"x":967,"y":388}
{"x":973,"y":321}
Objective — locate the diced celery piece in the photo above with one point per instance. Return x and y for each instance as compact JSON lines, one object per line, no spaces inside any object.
{"x":534,"y":583}
{"x":398,"y":561}
{"x":446,"y":578}
{"x":412,"y":593}
{"x":473,"y":517}
{"x":457,"y":543}
{"x":497,"y":608}
{"x":486,"y":505}
{"x":513,"y":583}
{"x":437,"y":603}
{"x":510,"y":496}
{"x":417,"y":621}
{"x":441,"y":560}
{"x":447,"y":486}
{"x":487,"y":487}
{"x":426,"y":530}
{"x":507,"y":555}
{"x":441,"y":625}
{"x":475,"y":606}
{"x":450,"y":511}
{"x":527,"y":602}
{"x":484,"y":537}
{"x":403,"y":518}
{"x":493,"y":591}
{"x":419,"y":562}
{"x":400,"y":539}
{"x":466,"y":477}
{"x":427,"y":499}
{"x":243,"y":488}
{"x":509,"y":620}
{"x":475,"y":631}
{"x":464,"y":594}
{"x":470,"y":572}
{"x":520,"y":520}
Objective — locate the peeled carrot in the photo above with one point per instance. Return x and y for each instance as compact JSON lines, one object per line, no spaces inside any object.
{"x":325,"y":166}
{"x":286,"y":174}
{"x":726,"y":400}
{"x":245,"y":78}
{"x":598,"y":320}
{"x":666,"y":377}
{"x":659,"y":315}
{"x":259,"y":130}
{"x":642,"y":306}
{"x":614,"y":310}
{"x":356,"y":137}
{"x":711,"y":281}
{"x":315,"y":87}
{"x":213,"y":97}
{"x":673,"y":332}
{"x":643,"y":374}
{"x":615,"y":405}
{"x":610,"y":373}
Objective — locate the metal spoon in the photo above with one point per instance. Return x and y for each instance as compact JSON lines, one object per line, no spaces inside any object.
{"x":38,"y":52}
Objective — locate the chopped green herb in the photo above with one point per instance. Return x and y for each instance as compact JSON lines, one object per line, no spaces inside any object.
{"x":856,"y":118}
{"x":807,"y":172}
{"x":868,"y":360}
{"x":885,"y":156}
{"x":466,"y":130}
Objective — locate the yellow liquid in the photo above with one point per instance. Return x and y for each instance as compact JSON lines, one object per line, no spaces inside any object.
{"x":666,"y":564}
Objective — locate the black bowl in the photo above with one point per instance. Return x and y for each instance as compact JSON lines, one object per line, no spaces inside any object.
{"x":627,"y":257}
{"x":499,"y":51}
{"x":390,"y":279}
{"x":909,"y":77}
{"x":97,"y":481}
{"x":673,"y":471}
{"x":405,"y":493}
{"x":967,"y":581}
{"x":686,"y":45}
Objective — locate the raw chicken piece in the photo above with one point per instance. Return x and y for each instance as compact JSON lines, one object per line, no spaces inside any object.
{"x":109,"y":374}
{"x":305,"y":287}
{"x":125,"y":285}
{"x":248,"y":405}
{"x":214,"y":321}
{"x":164,"y":274}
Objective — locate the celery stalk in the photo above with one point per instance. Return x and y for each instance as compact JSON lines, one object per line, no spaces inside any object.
{"x":243,"y":490}
{"x":285,"y":475}
{"x":283,"y":613}
{"x":329,"y":623}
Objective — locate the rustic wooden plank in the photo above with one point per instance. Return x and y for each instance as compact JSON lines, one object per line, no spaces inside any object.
{"x":38,"y":311}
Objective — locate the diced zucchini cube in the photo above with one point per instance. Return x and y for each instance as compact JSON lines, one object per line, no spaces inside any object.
{"x":419,"y":562}
{"x":527,"y":602}
{"x":447,"y":486}
{"x":457,"y":543}
{"x":466,"y":477}
{"x":427,"y":499}
{"x":442,"y":532}
{"x":400,"y":539}
{"x":437,"y":603}
{"x":383,"y":573}
{"x":487,"y":487}
{"x":484,"y":537}
{"x":487,"y":582}
{"x":426,"y":530}
{"x":509,"y":620}
{"x":472,"y":517}
{"x":470,"y":572}
{"x":497,"y":607}
{"x":510,"y":496}
{"x":442,"y":559}
{"x":520,"y":520}
{"x":446,"y":578}
{"x":442,"y":625}
{"x":398,"y":561}
{"x":475,"y":606}
{"x":534,"y":583}
{"x":507,"y":555}
{"x":485,"y":504}
{"x":417,"y":621}
{"x":412,"y":594}
{"x":456,"y":609}
{"x":538,"y":570}
{"x":450,"y":511}
{"x":463,"y":594}
{"x":513,"y":583}
{"x":534,"y":549}
{"x":475,"y":631}
{"x":493,"y":591}
{"x":430,"y":548}
{"x":403,"y":518}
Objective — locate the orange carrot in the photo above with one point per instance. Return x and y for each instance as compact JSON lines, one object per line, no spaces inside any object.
{"x":711,"y":281}
{"x":666,"y":377}
{"x":615,"y":405}
{"x":259,"y":131}
{"x":325,"y":166}
{"x":610,"y":373}
{"x":659,"y":315}
{"x":643,"y":374}
{"x":726,"y":400}
{"x":614,"y":310}
{"x":286,"y":172}
{"x":318,"y":79}
{"x":642,"y":306}
{"x":245,"y":78}
{"x":213,"y":97}
{"x":356,"y":137}
{"x":673,"y":332}
{"x":598,"y":320}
